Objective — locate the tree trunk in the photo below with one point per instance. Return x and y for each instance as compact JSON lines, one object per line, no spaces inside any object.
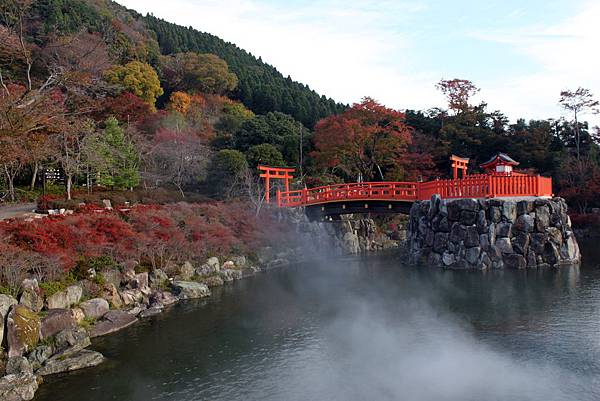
{"x":36,"y":167}
{"x":10,"y":180}
{"x":577,"y":136}
{"x":69,"y":184}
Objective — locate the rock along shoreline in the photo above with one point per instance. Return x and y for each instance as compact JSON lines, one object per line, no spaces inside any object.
{"x":45,"y":335}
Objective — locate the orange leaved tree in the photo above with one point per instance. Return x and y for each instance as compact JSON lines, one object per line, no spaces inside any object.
{"x":365,"y":142}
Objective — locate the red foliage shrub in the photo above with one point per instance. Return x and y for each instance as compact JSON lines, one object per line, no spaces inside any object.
{"x":155,"y":235}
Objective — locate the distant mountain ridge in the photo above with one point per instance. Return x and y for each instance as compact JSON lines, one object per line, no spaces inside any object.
{"x":261,"y":87}
{"x":131,"y":35}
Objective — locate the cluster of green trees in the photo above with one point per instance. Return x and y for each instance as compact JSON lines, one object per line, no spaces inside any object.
{"x":261,"y":87}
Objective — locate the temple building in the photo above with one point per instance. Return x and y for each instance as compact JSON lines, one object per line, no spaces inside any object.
{"x":500,"y":163}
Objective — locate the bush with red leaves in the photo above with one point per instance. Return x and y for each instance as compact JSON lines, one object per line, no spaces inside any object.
{"x":154,"y":236}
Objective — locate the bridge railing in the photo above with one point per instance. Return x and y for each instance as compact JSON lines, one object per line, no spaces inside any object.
{"x":472,"y":186}
{"x":353,"y":191}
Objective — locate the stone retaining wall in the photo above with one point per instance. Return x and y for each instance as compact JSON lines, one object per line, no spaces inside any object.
{"x":492,"y":233}
{"x":348,"y":234}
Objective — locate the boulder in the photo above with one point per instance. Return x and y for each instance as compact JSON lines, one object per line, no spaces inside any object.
{"x":136,"y":310}
{"x":538,"y":241}
{"x":113,"y":321}
{"x":524,"y":207}
{"x":71,"y":340}
{"x":520,"y":243}
{"x":95,"y":308}
{"x":131,"y":297}
{"x":213,"y":281}
{"x":161,"y":299}
{"x":186,"y":271}
{"x":509,"y":211}
{"x":111,"y":295}
{"x":39,"y":355}
{"x":228,"y":265}
{"x":471,"y":237}
{"x":151,"y":311}
{"x":140,"y":282}
{"x":555,"y":235}
{"x":435,"y":259}
{"x":429,"y":238}
{"x":240,"y":261}
{"x":18,"y":387}
{"x":504,"y":245}
{"x":31,"y":296}
{"x":457,"y":233}
{"x":472,"y":255}
{"x":484,"y":261}
{"x":349,"y":242}
{"x":551,"y":254}
{"x":77,"y":314}
{"x":434,"y":206}
{"x":213,"y":263}
{"x":482,"y":224}
{"x":79,"y":360}
{"x":484,"y":241}
{"x":6,"y":302}
{"x":440,"y":224}
{"x":468,"y":217}
{"x":440,"y":242}
{"x":113,"y":277}
{"x":18,"y":365}
{"x":252,"y":270}
{"x":55,"y":321}
{"x":229,"y":275}
{"x":531,"y":259}
{"x":542,"y":218}
{"x":23,"y":330}
{"x":514,"y":261}
{"x":492,"y":233}
{"x":190,"y":289}
{"x":495,"y":215}
{"x":453,"y":211}
{"x":503,"y":229}
{"x":64,"y":299}
{"x":158,"y":278}
{"x":467,"y":204}
{"x":569,"y":250}
{"x":448,"y":259}
{"x":524,"y":223}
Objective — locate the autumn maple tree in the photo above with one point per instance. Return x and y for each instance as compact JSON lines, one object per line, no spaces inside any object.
{"x":457,"y":92}
{"x":366,"y":141}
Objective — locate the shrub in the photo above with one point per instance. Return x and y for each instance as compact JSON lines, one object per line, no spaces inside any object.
{"x":585,"y":220}
{"x":224,"y":168}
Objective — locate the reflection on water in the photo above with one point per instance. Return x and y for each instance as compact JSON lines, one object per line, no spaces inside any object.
{"x":363,"y":329}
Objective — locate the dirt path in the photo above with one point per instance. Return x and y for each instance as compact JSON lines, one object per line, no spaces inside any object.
{"x":9,"y":211}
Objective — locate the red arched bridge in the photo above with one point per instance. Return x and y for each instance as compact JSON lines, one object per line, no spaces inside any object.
{"x":397,"y":197}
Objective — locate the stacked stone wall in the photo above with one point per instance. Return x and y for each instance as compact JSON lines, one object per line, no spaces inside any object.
{"x":492,"y":233}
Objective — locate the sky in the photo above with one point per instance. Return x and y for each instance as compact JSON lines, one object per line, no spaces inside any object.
{"x":520,"y":53}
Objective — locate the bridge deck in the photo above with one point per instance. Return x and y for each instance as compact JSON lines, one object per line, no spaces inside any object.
{"x":473,"y":186}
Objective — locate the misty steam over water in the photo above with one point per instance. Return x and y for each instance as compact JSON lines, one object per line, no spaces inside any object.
{"x":362,"y":329}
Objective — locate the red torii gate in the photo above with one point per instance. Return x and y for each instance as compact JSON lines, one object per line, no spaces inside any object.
{"x":459,"y":164}
{"x":278,"y":173}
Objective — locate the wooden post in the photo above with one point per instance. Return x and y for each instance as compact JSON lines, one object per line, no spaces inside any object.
{"x":268,"y":187}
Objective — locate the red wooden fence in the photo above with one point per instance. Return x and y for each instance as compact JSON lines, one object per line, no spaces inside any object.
{"x":472,"y":186}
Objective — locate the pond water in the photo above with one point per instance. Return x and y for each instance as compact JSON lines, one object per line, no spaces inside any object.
{"x":367,"y":328}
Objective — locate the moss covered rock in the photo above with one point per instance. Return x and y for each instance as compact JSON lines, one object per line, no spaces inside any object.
{"x":23,"y":330}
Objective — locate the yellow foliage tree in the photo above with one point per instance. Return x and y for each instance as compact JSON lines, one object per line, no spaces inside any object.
{"x":138,"y":78}
{"x":180,"y":101}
